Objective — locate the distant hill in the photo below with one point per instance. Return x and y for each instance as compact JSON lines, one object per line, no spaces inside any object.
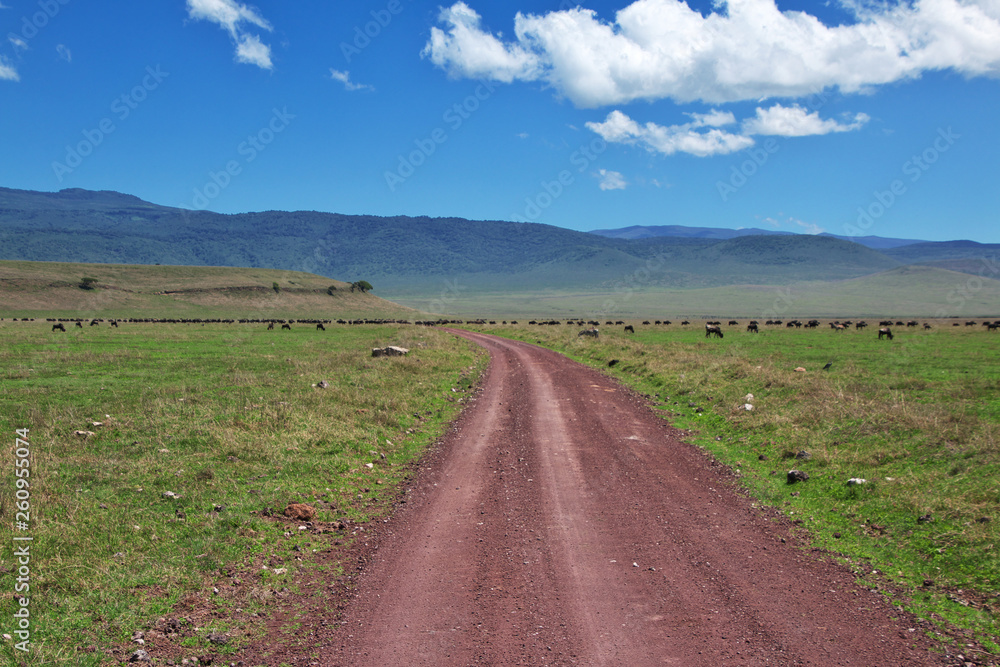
{"x":944,"y":251}
{"x":721,"y":233}
{"x":681,"y":231}
{"x":422,"y":259}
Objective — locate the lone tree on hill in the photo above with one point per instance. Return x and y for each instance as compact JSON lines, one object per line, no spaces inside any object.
{"x":331,"y":289}
{"x":88,"y":283}
{"x":276,"y":287}
{"x":362,"y":285}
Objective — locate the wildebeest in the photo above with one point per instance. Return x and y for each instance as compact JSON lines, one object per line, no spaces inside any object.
{"x":993,"y":326}
{"x":58,"y":327}
{"x":733,"y":323}
{"x":629,"y":328}
{"x":685,"y":322}
{"x":320,"y":327}
{"x":752,"y":327}
{"x":270,"y":326}
{"x":885,"y":332}
{"x":79,"y":325}
{"x":590,"y":332}
{"x":286,"y":326}
{"x":713,"y":330}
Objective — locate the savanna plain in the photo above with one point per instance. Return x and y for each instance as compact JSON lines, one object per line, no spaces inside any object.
{"x":163,"y":456}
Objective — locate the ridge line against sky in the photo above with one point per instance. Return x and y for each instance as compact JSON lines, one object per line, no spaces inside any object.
{"x":852,"y":118}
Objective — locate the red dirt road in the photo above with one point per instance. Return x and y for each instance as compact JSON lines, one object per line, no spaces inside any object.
{"x":565,"y":523}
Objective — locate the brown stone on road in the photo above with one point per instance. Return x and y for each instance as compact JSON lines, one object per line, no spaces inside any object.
{"x":566,"y":523}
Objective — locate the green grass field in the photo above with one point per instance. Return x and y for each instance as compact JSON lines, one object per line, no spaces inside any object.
{"x":229,"y":419}
{"x":918,"y":417}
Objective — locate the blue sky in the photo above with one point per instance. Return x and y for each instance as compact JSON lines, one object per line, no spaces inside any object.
{"x":851,"y":118}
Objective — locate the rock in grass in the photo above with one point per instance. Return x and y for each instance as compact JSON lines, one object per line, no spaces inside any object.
{"x":391,"y":351}
{"x":218,"y":638}
{"x":140,"y":656}
{"x":855,"y":481}
{"x":797,"y":476}
{"x":300,"y":512}
{"x":803,"y":455}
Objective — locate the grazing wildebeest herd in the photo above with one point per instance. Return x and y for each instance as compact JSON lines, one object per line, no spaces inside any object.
{"x":713,"y":328}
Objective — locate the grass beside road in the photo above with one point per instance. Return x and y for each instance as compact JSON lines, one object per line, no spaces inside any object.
{"x":229,"y":420}
{"x":917,"y":417}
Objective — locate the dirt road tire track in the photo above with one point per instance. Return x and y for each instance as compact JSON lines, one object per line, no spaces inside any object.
{"x":566,"y":523}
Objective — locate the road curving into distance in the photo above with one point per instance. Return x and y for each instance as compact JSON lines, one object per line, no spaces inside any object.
{"x":564,"y":522}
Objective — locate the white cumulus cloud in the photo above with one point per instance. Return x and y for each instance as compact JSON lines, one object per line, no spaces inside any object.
{"x":345,"y":78}
{"x":611,"y":180}
{"x":694,"y":139}
{"x":794,"y":121}
{"x":743,"y":50}
{"x":670,"y":139}
{"x":237,"y":20}
{"x":7,"y":71}
{"x":465,"y":50}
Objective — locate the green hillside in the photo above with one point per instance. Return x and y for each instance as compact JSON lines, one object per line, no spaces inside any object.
{"x":404,"y":255}
{"x":29,"y":289}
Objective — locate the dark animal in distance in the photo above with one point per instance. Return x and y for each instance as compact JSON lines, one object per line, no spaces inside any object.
{"x":58,"y":327}
{"x":320,"y":327}
{"x":590,"y":332}
{"x":752,"y":327}
{"x":629,"y":328}
{"x":828,"y":364}
{"x":79,"y":325}
{"x":713,"y":330}
{"x":286,"y":326}
{"x":270,"y":326}
{"x":885,"y":332}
